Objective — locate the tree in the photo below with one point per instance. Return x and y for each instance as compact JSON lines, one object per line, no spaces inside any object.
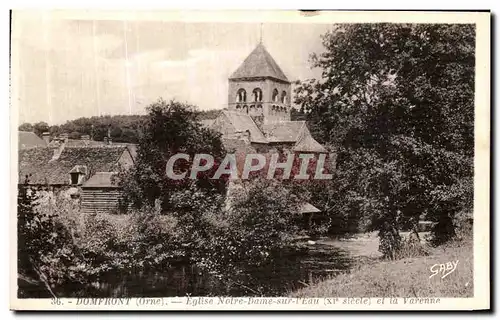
{"x":25,"y":127}
{"x":246,"y":243}
{"x":171,"y":128}
{"x":398,"y":102}
{"x":40,"y":127}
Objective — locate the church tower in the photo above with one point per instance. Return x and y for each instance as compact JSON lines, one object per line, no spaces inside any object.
{"x":259,"y":88}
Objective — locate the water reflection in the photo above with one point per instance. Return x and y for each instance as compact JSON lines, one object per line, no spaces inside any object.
{"x":290,"y":273}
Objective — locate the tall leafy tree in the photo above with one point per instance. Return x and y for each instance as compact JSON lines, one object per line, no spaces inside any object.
{"x":171,"y":128}
{"x":40,"y":128}
{"x":398,"y":102}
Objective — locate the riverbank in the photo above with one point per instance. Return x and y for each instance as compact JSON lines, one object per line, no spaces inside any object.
{"x":403,"y":278}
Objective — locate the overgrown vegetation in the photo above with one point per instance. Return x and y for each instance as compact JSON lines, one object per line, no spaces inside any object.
{"x":397,"y":100}
{"x":407,"y":277}
{"x":121,"y":128}
{"x":170,"y":222}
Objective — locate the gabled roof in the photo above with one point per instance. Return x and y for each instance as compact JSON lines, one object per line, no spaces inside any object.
{"x":35,"y":163}
{"x":283,"y":131}
{"x":100,"y":180}
{"x":306,"y":143}
{"x":243,"y":122}
{"x":306,"y":207}
{"x":79,"y":169}
{"x":259,"y":64}
{"x":28,"y":139}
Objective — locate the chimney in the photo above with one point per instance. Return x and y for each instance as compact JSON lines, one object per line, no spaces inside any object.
{"x":109,"y":134}
{"x":46,"y":137}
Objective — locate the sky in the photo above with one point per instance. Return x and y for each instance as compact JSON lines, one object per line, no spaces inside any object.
{"x":64,"y":68}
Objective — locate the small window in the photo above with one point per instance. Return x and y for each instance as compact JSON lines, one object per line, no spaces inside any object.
{"x":74,"y":177}
{"x":275,"y":95}
{"x":241,"y":95}
{"x":257,"y":95}
{"x":283,"y":97}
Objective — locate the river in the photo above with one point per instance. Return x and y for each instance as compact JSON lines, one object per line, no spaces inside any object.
{"x":314,"y":263}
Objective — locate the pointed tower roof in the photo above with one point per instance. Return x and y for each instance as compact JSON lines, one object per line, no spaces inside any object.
{"x":259,"y":64}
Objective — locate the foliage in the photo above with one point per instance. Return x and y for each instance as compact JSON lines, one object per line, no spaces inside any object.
{"x":121,"y":128}
{"x":247,"y":242}
{"x":405,"y":278}
{"x":40,"y":128}
{"x":68,"y":251}
{"x":26,"y":127}
{"x":170,"y":128}
{"x":398,"y":102}
{"x":44,"y":245}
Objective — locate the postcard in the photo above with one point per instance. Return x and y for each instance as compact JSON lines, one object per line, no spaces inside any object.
{"x":250,"y":160}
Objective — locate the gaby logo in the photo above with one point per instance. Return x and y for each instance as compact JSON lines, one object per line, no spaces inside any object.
{"x":307,"y":166}
{"x":445,"y":269}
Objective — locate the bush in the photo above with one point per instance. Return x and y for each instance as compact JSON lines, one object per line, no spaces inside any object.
{"x":246,"y":242}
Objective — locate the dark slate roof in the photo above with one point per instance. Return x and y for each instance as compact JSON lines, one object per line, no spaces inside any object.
{"x":243,"y":122}
{"x":28,"y":139}
{"x":283,"y":131}
{"x":36,"y":162}
{"x":100,"y":180}
{"x":259,"y":64}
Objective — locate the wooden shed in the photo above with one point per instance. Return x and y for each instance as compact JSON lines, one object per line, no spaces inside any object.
{"x":100,"y":193}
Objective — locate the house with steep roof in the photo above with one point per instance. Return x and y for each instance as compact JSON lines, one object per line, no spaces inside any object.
{"x":80,"y":172}
{"x":67,"y":167}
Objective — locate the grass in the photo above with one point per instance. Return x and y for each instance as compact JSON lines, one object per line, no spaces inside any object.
{"x":402,"y":278}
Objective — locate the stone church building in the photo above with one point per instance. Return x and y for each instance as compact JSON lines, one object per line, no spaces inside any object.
{"x":257,"y":119}
{"x":259,"y":107}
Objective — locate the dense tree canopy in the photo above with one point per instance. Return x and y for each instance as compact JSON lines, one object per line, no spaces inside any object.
{"x":398,"y":102}
{"x":122,"y":128}
{"x":169,"y":129}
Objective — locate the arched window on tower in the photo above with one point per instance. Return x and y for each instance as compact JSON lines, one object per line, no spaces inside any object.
{"x":241,"y":96}
{"x":257,"y":95}
{"x":275,"y":95}
{"x":283,"y":97}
